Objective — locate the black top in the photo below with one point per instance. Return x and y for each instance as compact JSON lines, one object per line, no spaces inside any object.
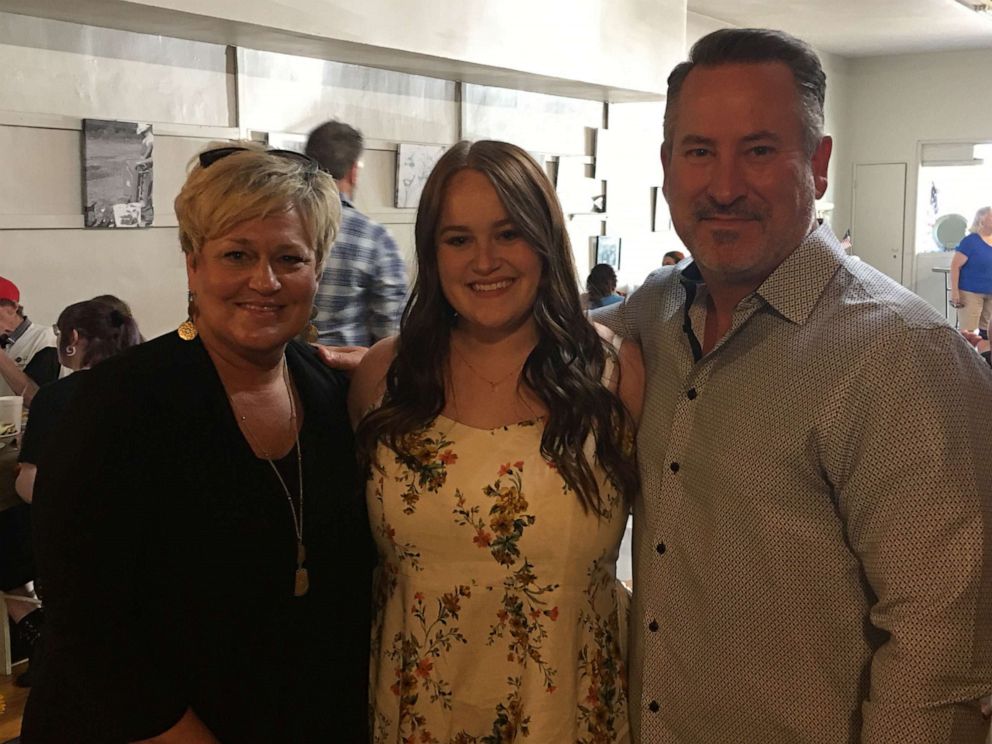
{"x":47,"y":408}
{"x":167,"y":555}
{"x":44,"y":366}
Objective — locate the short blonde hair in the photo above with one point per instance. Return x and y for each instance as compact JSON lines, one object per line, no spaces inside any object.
{"x":253,"y":183}
{"x":976,"y":224}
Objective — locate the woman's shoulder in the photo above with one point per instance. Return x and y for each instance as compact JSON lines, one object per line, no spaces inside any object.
{"x":969,"y":242}
{"x":369,"y":381}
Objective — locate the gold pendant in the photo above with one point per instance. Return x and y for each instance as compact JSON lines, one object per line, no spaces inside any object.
{"x":302,"y":585}
{"x":187,"y":330}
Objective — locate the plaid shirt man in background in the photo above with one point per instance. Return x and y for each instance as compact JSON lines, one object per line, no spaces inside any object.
{"x":364,"y":284}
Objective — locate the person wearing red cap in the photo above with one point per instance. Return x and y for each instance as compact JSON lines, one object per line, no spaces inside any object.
{"x":29,"y":359}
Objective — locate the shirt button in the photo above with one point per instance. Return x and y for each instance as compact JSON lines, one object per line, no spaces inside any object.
{"x":691,"y":394}
{"x":653,"y":626}
{"x":660,"y":547}
{"x":675,"y":467}
{"x":653,"y":706}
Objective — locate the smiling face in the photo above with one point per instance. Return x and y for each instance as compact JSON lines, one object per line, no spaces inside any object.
{"x":488,"y":272}
{"x":738,"y":178}
{"x":254,"y":286}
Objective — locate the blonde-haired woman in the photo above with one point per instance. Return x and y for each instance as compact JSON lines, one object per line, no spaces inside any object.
{"x":205,"y":558}
{"x":971,"y":274}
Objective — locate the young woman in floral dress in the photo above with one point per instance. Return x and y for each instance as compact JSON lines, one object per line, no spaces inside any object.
{"x":499,"y":439}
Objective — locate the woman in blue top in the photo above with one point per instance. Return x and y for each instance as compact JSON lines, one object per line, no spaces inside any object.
{"x":971,"y":274}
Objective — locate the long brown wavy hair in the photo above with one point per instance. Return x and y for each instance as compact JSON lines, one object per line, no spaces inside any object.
{"x":564,"y":370}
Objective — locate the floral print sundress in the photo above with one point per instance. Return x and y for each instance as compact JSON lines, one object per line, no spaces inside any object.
{"x":498,"y":615}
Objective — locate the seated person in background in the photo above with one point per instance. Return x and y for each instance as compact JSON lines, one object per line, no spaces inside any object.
{"x":601,"y":287}
{"x":88,"y":333}
{"x":980,"y":342}
{"x":672,"y":257}
{"x":29,"y":359}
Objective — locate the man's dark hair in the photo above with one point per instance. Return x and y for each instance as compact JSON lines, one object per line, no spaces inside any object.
{"x":756,"y":46}
{"x":336,"y":146}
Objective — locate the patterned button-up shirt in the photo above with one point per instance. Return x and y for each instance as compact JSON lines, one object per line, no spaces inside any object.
{"x":813,"y":541}
{"x":363,"y":287}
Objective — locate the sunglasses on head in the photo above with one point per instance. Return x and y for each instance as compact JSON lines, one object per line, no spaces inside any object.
{"x":209,"y":157}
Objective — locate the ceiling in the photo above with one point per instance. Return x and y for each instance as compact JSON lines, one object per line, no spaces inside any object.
{"x":861,"y":28}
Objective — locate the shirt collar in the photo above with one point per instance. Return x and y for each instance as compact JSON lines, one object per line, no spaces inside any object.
{"x":19,"y":331}
{"x":346,"y":201}
{"x":795,"y":286}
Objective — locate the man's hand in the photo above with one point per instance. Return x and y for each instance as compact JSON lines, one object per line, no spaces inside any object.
{"x":344,"y":358}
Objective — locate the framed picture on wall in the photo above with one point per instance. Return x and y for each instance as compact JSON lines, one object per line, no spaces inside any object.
{"x":608,"y":250}
{"x":414,"y":164}
{"x":117,"y":185}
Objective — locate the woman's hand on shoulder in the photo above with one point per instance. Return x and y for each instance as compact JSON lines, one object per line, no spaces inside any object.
{"x":368,"y":382}
{"x":632,"y":377}
{"x":343,"y":358}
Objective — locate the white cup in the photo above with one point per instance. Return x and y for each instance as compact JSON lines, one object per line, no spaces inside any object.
{"x":10,"y":411}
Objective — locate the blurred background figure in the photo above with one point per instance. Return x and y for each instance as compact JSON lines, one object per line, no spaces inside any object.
{"x":88,"y":333}
{"x":971,"y":274}
{"x":29,"y":359}
{"x":601,"y":287}
{"x":672,"y":257}
{"x":364,"y":284}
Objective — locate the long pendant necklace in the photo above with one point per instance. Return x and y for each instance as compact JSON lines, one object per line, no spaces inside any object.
{"x":301,"y":584}
{"x":493,"y":384}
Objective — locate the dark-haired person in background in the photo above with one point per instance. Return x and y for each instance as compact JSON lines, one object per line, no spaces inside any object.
{"x":364,"y":284}
{"x":601,"y":286}
{"x":813,"y":548}
{"x":87,"y":333}
{"x":671,"y":258}
{"x":28,"y":359}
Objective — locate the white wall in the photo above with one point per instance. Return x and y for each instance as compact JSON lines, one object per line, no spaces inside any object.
{"x":895,"y":104}
{"x":618,"y":45}
{"x":55,"y":73}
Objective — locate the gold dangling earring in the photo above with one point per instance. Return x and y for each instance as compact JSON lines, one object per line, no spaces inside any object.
{"x":310,"y":333}
{"x":187,"y":329}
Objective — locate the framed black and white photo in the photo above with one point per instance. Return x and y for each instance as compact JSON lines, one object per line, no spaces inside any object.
{"x":608,"y":250}
{"x":117,"y":185}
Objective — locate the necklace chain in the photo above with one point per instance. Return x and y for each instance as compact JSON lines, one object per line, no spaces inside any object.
{"x":493,"y":384}
{"x":302,"y":581}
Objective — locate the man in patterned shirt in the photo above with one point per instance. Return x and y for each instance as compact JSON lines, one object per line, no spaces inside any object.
{"x":363,"y":287}
{"x":813,"y":540}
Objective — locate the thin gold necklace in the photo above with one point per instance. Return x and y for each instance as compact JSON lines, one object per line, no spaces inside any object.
{"x":493,"y":384}
{"x":301,"y":583}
